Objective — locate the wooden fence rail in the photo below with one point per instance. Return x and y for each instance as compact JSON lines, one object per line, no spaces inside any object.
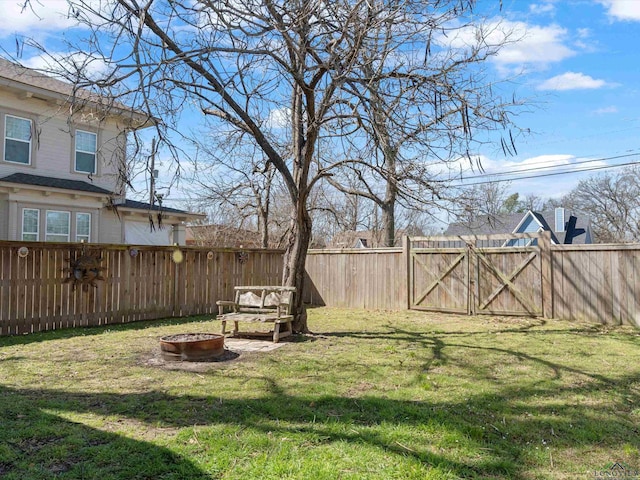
{"x":140,"y":283}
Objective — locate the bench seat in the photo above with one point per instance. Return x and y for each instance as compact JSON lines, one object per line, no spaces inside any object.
{"x":259,"y":304}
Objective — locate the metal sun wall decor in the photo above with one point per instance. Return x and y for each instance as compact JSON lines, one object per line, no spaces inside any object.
{"x":85,"y":270}
{"x":242,"y":257}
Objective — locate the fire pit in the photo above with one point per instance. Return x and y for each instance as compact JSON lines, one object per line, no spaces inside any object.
{"x":192,"y":347}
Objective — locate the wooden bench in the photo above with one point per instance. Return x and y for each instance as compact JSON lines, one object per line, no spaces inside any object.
{"x":259,"y":304}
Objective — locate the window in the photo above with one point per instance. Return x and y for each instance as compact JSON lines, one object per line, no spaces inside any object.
{"x":86,"y":151}
{"x":57,"y":226}
{"x":30,"y":224}
{"x":17,"y":140}
{"x":83,"y":227}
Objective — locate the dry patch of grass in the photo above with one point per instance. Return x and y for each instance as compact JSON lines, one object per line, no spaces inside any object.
{"x":368,"y":395}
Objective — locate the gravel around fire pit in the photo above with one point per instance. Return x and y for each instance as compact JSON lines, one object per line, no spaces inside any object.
{"x":190,"y":337}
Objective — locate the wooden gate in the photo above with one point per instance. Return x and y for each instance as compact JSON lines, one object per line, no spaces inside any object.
{"x":489,"y":274}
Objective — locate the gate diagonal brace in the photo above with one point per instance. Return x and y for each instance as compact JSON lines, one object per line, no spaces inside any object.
{"x":438,"y":281}
{"x":507,"y":281}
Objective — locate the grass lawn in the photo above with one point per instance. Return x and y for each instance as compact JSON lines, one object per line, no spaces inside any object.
{"x":371,"y":395}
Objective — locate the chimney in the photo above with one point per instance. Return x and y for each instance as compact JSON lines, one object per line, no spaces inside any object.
{"x":559,"y":216}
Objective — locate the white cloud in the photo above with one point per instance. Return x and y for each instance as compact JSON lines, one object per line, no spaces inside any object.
{"x":537,"y":45}
{"x":584,"y":33}
{"x":571,"y":81}
{"x":606,"y":110}
{"x":625,"y":10}
{"x":533,"y":171}
{"x":542,"y":161}
{"x":542,"y":8}
{"x":92,"y":67}
{"x":524,"y":44}
{"x":279,"y":118}
{"x":38,"y":16}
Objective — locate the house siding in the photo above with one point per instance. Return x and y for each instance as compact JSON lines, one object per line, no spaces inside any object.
{"x":529,"y":226}
{"x":59,"y":202}
{"x":4,"y":218}
{"x":53,"y":142}
{"x":110,"y":228}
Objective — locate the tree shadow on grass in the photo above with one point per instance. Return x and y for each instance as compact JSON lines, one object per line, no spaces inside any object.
{"x":533,"y":327}
{"x":38,"y":444}
{"x":487,"y":435}
{"x":436,"y":342}
{"x":499,"y":431}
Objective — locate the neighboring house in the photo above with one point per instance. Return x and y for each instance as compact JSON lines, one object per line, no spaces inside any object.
{"x":61,"y":153}
{"x":565,"y":228}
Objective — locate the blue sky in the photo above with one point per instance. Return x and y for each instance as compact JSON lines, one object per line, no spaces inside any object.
{"x":578,"y":61}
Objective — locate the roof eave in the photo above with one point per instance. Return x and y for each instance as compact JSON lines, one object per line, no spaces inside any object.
{"x":13,"y":187}
{"x":182,"y":216}
{"x":135,"y":119}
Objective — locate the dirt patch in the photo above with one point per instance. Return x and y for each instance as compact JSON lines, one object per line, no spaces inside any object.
{"x":359,"y":389}
{"x":154,"y":359}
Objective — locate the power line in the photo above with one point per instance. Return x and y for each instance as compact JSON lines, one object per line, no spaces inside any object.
{"x":533,"y":169}
{"x":550,"y":174}
{"x":491,"y":176}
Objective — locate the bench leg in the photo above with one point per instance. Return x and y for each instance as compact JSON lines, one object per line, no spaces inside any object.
{"x":276,"y":333}
{"x":224,"y":326}
{"x":235,"y":328}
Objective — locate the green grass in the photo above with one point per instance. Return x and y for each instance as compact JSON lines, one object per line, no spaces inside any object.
{"x":371,"y":395}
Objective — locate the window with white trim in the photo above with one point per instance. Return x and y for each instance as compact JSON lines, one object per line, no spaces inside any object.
{"x":83,"y":227}
{"x":30,"y":224}
{"x":58,"y":226}
{"x":17,"y":140}
{"x":86,"y":147}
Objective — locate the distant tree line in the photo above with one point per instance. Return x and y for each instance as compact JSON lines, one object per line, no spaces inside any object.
{"x":611,"y":200}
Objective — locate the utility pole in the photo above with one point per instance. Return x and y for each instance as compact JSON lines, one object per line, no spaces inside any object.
{"x":152,"y":168}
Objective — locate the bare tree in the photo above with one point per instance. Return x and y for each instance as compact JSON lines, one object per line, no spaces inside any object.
{"x":243,"y":63}
{"x":532,"y":202}
{"x":434,"y":112}
{"x":482,"y":203}
{"x":612,"y":202}
{"x":237,"y":177}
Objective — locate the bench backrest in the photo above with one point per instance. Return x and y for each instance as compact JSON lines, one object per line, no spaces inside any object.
{"x":258,"y":298}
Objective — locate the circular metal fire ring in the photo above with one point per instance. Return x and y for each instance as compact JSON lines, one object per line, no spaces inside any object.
{"x":192,"y":347}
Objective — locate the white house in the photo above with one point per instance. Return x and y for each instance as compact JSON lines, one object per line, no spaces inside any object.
{"x":60,"y":155}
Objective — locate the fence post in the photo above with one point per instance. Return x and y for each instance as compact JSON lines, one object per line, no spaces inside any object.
{"x":473,"y":278}
{"x":408,"y":271}
{"x":547,"y":274}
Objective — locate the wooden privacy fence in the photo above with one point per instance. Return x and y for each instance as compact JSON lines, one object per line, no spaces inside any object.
{"x":356,"y":278}
{"x":516,"y":274}
{"x":140,"y":283}
{"x":520,"y":274}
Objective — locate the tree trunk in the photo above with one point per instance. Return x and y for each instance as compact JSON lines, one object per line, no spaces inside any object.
{"x":388,"y":223}
{"x":295,"y":258}
{"x":263,"y":228}
{"x":388,"y":207}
